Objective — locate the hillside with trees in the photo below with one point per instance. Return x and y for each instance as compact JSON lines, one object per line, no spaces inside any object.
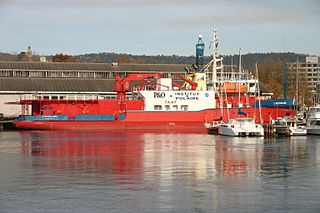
{"x":270,"y":65}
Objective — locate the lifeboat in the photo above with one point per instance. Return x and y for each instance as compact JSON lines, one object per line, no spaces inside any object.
{"x":229,"y":88}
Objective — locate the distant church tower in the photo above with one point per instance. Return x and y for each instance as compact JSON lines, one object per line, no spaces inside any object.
{"x":29,"y":54}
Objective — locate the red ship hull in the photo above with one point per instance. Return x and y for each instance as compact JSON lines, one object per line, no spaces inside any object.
{"x":158,"y":110}
{"x":171,"y":121}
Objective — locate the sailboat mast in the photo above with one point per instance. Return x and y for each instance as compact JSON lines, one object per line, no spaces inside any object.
{"x":240,"y":60}
{"x":239,"y":79}
{"x":297,"y":82}
{"x":258,"y":87}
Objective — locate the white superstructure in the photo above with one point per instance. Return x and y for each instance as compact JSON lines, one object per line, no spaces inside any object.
{"x":178,"y":100}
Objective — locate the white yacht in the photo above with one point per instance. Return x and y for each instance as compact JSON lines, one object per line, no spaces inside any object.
{"x":295,"y":128}
{"x":313,"y":120}
{"x":241,"y":127}
{"x":289,"y":127}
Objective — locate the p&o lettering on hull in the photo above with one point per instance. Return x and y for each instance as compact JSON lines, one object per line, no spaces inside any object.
{"x":159,"y":95}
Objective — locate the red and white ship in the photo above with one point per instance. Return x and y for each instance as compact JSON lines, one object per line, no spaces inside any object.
{"x":158,"y":103}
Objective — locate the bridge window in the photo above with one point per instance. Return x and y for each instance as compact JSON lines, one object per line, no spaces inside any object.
{"x":157,"y":107}
{"x":184,"y":107}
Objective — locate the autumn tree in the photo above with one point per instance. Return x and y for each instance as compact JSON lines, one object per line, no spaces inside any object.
{"x":271,"y":74}
{"x":63,"y":58}
{"x":125,"y":61}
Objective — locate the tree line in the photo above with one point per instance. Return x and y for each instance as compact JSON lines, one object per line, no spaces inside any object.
{"x":271,"y":66}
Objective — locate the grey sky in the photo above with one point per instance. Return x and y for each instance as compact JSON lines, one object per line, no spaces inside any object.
{"x":158,"y":26}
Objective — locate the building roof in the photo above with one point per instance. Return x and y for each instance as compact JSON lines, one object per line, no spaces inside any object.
{"x":56,"y":85}
{"x":64,"y":85}
{"x":74,"y":83}
{"x":56,"y":66}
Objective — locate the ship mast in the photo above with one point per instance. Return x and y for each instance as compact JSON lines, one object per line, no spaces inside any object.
{"x":216,"y":63}
{"x":214,"y":52}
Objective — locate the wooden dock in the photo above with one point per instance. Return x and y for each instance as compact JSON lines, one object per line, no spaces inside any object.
{"x":269,"y":130}
{"x":6,"y":124}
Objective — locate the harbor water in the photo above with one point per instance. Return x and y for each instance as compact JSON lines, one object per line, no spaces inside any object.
{"x":65,"y":171}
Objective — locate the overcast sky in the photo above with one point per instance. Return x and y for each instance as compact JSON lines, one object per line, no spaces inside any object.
{"x":156,"y":27}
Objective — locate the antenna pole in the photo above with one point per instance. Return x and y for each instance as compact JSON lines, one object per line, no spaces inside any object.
{"x":297,"y":82}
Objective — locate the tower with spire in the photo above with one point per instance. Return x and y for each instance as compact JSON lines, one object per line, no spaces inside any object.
{"x":29,"y":54}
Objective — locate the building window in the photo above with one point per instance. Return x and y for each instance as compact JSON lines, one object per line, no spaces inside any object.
{"x":86,"y":74}
{"x":102,"y":75}
{"x":6,"y":73}
{"x":175,"y":107}
{"x":37,"y":74}
{"x":165,"y":75}
{"x":22,"y":73}
{"x":167,"y":107}
{"x":70,"y":74}
{"x":53,"y":74}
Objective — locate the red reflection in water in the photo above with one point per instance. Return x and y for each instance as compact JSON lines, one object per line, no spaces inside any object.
{"x":86,"y":152}
{"x":128,"y":154}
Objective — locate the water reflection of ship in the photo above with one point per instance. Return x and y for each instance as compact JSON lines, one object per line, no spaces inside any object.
{"x":204,"y":157}
{"x":84,"y":152}
{"x":137,"y":152}
{"x":132,"y":156}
